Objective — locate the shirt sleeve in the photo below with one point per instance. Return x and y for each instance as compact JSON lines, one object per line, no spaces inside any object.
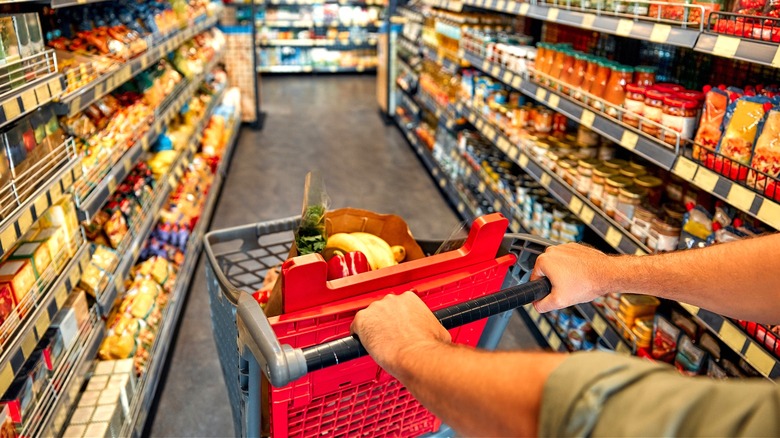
{"x":604,"y":394}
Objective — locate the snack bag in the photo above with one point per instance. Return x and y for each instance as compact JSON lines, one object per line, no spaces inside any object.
{"x":736,"y":145}
{"x":766,"y":156}
{"x":715,"y":103}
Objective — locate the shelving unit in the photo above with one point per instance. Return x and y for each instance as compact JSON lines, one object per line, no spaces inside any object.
{"x":310,"y":69}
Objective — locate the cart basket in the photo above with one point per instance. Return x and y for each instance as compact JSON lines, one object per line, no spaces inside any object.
{"x":356,"y":397}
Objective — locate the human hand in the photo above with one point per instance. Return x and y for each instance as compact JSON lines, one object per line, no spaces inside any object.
{"x":578,"y":274}
{"x":396,"y":328}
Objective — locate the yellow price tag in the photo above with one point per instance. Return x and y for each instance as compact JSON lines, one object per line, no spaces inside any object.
{"x":776,"y":59}
{"x":28,"y":344}
{"x":55,"y":87}
{"x":42,"y":93}
{"x":524,"y":7}
{"x":740,"y":197}
{"x":481,"y":187}
{"x":546,"y":329}
{"x":587,"y":214}
{"x":172,"y":182}
{"x":660,"y":33}
{"x":55,"y":192}
{"x":523,"y":161}
{"x":503,"y":144}
{"x":25,"y":221}
{"x":43,"y":323}
{"x":639,"y":252}
{"x":624,"y":27}
{"x":555,"y":342}
{"x":111,"y":184}
{"x":75,"y":276}
{"x":623,"y":348}
{"x":732,"y":336}
{"x":541,"y":94}
{"x":496,"y":72}
{"x":507,"y":78}
{"x":442,"y":182}
{"x":497,"y":205}
{"x":759,"y":359}
{"x":511,"y":6}
{"x":587,"y":21}
{"x":513,"y":152}
{"x":99,"y":90}
{"x":587,"y":118}
{"x":575,"y":205}
{"x":41,"y":204}
{"x":515,"y":226}
{"x":11,"y":109}
{"x":599,"y":325}
{"x":480,"y":124}
{"x":461,"y":208}
{"x":706,"y":179}
{"x":685,"y":168}
{"x":726,"y":46}
{"x":768,"y":213}
{"x":553,"y":100}
{"x":613,"y":237}
{"x":552,"y":14}
{"x":61,"y":296}
{"x":629,"y":140}
{"x":485,"y":66}
{"x":516,"y":82}
{"x":545,"y":180}
{"x":693,"y":310}
{"x":501,"y":6}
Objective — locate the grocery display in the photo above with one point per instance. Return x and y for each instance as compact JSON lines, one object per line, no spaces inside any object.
{"x":574,"y":139}
{"x":88,"y":93}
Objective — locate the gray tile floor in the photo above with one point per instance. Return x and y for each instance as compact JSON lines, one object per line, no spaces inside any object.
{"x":328,"y":123}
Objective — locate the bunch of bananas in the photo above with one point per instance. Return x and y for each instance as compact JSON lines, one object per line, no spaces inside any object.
{"x":378,"y":252}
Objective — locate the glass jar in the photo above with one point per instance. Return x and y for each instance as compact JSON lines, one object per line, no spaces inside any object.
{"x":679,"y":117}
{"x":616,"y":163}
{"x":574,"y":75}
{"x":653,"y":110}
{"x":562,"y":170}
{"x":644,"y":76}
{"x":586,"y":137}
{"x":666,"y":235}
{"x":572,"y":175}
{"x":543,"y":120}
{"x":598,"y":180}
{"x":628,"y":199}
{"x":643,"y":222}
{"x":551,"y":160}
{"x":585,"y":172}
{"x":542,"y":53}
{"x":539,"y":149}
{"x":675,"y":188}
{"x":558,"y":63}
{"x":600,"y":84}
{"x":591,"y":72}
{"x":606,"y":150}
{"x":615,"y":93}
{"x":611,"y":190}
{"x":632,"y":172}
{"x":674,"y":211}
{"x":567,"y":69}
{"x":654,"y":188}
{"x":635,"y":104}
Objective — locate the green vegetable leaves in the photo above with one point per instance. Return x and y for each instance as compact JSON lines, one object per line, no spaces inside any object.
{"x":310,"y":237}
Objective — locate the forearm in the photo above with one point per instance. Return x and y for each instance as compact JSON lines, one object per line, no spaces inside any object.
{"x":739,"y":279}
{"x":478,"y":393}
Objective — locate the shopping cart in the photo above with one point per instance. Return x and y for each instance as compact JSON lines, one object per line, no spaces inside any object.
{"x":356,"y":397}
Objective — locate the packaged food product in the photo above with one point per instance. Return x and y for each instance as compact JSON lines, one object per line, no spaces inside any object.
{"x":715,"y":371}
{"x":766,"y":157}
{"x":690,"y":358}
{"x":35,"y":368}
{"x":78,"y":302}
{"x":19,"y":399}
{"x":54,"y":240}
{"x":105,"y":258}
{"x":116,"y":229}
{"x":615,"y":92}
{"x":20,"y":275}
{"x":51,"y":347}
{"x":679,"y":118}
{"x":709,"y":132}
{"x":665,"y":335}
{"x":93,"y":280}
{"x":6,"y":302}
{"x":634,"y":104}
{"x":67,"y":323}
{"x":653,"y":110}
{"x":35,"y":252}
{"x":736,"y":144}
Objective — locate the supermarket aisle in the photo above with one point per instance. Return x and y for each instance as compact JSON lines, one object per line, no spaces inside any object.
{"x":329,"y":123}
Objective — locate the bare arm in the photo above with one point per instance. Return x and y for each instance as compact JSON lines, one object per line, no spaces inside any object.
{"x":477,"y":393}
{"x":738,"y":279}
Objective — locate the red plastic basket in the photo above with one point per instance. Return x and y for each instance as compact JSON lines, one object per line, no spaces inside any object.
{"x":358,"y":398}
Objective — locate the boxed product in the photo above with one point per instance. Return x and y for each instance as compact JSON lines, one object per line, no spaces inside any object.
{"x":36,"y":35}
{"x":53,"y":239}
{"x":9,"y":41}
{"x":22,"y":35}
{"x":19,"y":398}
{"x":35,"y":368}
{"x":21,"y":277}
{"x":77,"y":301}
{"x":52,"y":347}
{"x":6,"y":302}
{"x":66,"y":322}
{"x":63,"y":215}
{"x":93,"y":280}
{"x":36,"y":253}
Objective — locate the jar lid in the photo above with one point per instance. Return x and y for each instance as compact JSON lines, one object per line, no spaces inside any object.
{"x":616,"y":163}
{"x":635,"y":88}
{"x":648,"y":181}
{"x":623,"y":68}
{"x":636,"y":165}
{"x":678,"y":102}
{"x":632,"y":172}
{"x":674,"y":211}
{"x":691,"y":95}
{"x":669,"y":226}
{"x":645,"y":69}
{"x":668,"y":88}
{"x":633,"y":192}
{"x":605,"y":171}
{"x":619,"y":181}
{"x":589,"y":163}
{"x":644,"y":212}
{"x":654,"y":94}
{"x":553,"y":155}
{"x":543,"y":145}
{"x":565,"y":164}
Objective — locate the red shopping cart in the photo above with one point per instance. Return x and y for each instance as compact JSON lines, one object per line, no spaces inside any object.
{"x":316,"y":388}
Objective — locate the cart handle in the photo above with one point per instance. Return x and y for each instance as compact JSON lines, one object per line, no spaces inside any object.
{"x":294,"y":363}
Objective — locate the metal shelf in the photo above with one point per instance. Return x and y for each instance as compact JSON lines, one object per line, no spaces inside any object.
{"x":147,"y":388}
{"x":546,"y":329}
{"x":17,"y":350}
{"x":29,"y":97}
{"x":55,"y":401}
{"x":310,"y":69}
{"x":305,"y":2}
{"x":762,"y":208}
{"x":439,"y":58}
{"x":733,"y":336}
{"x":338,"y":44}
{"x":616,"y":236}
{"x":28,"y":198}
{"x":312,"y":24}
{"x":77,"y":100}
{"x":95,"y":200}
{"x":744,"y":49}
{"x":605,"y":329}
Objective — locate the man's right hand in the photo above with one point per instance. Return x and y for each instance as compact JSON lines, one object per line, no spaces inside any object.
{"x":578,"y":274}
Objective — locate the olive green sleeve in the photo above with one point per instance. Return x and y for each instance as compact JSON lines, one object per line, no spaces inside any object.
{"x":603,"y":394}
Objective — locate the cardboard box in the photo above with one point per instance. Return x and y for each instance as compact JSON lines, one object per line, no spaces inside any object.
{"x":37,"y":253}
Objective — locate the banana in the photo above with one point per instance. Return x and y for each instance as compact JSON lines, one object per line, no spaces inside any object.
{"x":399,"y":253}
{"x":380,"y":250}
{"x":344,"y":243}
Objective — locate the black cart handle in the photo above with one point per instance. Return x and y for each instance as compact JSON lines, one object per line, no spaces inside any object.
{"x":348,"y":348}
